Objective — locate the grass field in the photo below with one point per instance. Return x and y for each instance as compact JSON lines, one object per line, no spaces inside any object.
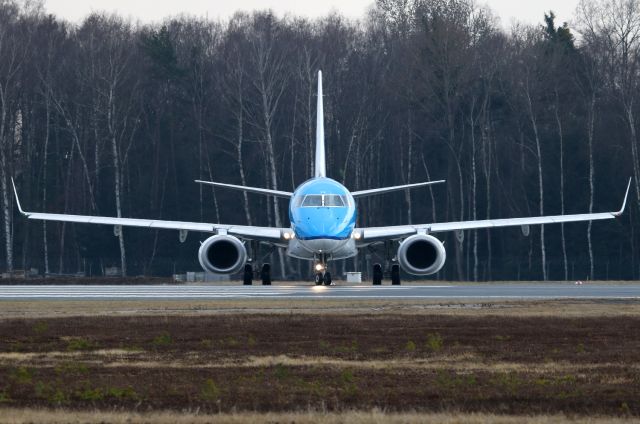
{"x":20,"y":416}
{"x":319,"y":361}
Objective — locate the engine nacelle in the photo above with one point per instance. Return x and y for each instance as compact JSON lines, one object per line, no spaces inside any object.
{"x":222,"y":254}
{"x":422,"y":255}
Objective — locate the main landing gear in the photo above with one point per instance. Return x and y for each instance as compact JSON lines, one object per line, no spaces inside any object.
{"x":393,"y":272}
{"x":250,"y":272}
{"x":265,"y":274}
{"x":392,"y":268}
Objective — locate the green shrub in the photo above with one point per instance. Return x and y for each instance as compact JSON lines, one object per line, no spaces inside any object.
{"x":119,"y":393}
{"x":348,"y":383}
{"x":410,"y":346}
{"x":163,"y":339}
{"x":42,"y":390}
{"x":434,"y":342}
{"x":324,"y":344}
{"x":90,"y":394}
{"x":58,"y":397}
{"x":231,"y":341}
{"x":80,"y":344}
{"x":210,"y":391}
{"x":41,"y":327}
{"x":21,"y":375}
{"x":282,"y":372}
{"x":347,"y":376}
{"x":71,"y":368}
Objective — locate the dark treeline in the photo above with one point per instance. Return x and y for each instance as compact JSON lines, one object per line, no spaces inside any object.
{"x":113,"y":118}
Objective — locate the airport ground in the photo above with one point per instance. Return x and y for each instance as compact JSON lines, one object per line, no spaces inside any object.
{"x":329,"y":360}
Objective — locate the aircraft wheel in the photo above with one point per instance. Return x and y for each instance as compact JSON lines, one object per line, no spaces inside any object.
{"x":319,"y":279}
{"x":377,"y":274}
{"x":327,"y":278}
{"x":265,"y":274}
{"x":395,"y":275}
{"x":247,"y":278}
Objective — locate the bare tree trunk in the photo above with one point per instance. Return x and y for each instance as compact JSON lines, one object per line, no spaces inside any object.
{"x":6,"y":207}
{"x":239,"y":144}
{"x":407,"y":193}
{"x":67,"y":192}
{"x":561,"y":140}
{"x":534,"y":125}
{"x":270,"y":85}
{"x":213,"y":191}
{"x":433,"y":198}
{"x":486,"y":161}
{"x":634,"y":149}
{"x":474,"y":186}
{"x":590,"y":132}
{"x":45,"y":155}
{"x":6,"y":210}
{"x":117,"y":171}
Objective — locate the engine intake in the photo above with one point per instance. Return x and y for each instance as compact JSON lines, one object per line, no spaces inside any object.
{"x":422,"y":255}
{"x":222,"y":254}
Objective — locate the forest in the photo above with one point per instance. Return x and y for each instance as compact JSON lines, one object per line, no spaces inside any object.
{"x":114,"y":117}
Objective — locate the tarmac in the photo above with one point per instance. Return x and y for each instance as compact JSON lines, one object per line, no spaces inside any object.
{"x":532,"y":291}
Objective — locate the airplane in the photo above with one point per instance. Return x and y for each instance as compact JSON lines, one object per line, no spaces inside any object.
{"x":323,"y":215}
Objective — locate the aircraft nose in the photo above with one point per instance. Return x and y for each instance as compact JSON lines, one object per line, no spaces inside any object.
{"x":321,"y":228}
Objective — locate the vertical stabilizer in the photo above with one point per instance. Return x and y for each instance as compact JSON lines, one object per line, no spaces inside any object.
{"x":321,"y":168}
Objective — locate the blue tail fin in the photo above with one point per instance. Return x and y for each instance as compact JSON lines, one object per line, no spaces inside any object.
{"x":321,"y":167}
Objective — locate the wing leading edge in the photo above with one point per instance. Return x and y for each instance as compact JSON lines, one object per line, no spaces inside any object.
{"x":268,"y":234}
{"x":374,"y":234}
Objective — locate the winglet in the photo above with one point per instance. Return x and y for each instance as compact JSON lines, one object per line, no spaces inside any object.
{"x":624,"y":203}
{"x":18,"y":200}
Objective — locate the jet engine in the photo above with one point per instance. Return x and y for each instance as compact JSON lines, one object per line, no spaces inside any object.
{"x":422,"y":255}
{"x":222,"y":254}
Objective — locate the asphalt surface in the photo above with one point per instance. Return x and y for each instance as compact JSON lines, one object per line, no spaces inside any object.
{"x":181,"y":292}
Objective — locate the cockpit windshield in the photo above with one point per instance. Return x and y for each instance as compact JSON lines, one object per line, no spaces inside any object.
{"x":323,"y":200}
{"x":333,"y":200}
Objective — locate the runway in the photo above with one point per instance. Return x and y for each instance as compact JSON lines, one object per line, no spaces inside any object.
{"x":436,"y":292}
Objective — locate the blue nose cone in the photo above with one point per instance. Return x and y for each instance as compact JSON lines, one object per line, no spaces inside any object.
{"x":323,"y":223}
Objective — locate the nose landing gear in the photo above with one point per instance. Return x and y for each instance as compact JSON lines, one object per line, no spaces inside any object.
{"x":322,"y":276}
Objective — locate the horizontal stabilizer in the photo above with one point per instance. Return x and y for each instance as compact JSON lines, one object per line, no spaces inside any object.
{"x":375,"y":191}
{"x":276,"y":193}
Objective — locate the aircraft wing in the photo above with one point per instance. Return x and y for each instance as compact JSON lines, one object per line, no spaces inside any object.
{"x":374,"y":234}
{"x":268,"y":234}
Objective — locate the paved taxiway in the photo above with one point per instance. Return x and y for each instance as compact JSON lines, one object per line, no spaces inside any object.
{"x":180,"y":292}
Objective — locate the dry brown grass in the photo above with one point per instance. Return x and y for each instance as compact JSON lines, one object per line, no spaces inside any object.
{"x":23,"y":416}
{"x":564,"y":308}
{"x":468,"y":362}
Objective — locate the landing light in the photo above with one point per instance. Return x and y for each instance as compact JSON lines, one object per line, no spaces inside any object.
{"x":357,"y":235}
{"x":288,"y":236}
{"x":319,"y":267}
